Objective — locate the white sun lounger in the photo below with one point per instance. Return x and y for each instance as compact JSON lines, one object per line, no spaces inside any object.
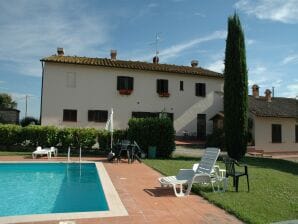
{"x":39,"y":151}
{"x":187,"y":177}
{"x":46,"y":151}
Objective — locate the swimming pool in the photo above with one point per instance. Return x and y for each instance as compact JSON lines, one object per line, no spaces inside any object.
{"x":30,"y":188}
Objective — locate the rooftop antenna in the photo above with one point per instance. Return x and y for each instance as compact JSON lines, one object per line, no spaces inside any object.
{"x":157,"y":38}
{"x":156,"y":43}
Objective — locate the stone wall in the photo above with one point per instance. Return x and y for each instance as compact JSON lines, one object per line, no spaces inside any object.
{"x":9,"y":116}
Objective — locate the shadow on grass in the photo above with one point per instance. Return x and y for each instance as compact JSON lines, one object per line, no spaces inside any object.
{"x":276,"y":164}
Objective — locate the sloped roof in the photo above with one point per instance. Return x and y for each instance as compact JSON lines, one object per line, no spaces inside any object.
{"x":278,"y":107}
{"x":105,"y":62}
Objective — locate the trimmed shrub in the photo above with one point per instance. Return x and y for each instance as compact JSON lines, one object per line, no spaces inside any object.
{"x":10,"y":135}
{"x":157,"y":132}
{"x":83,"y":137}
{"x":104,"y":138}
{"x":216,"y":139}
{"x":28,"y":121}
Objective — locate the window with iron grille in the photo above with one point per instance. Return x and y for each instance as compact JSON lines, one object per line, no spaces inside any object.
{"x":162,"y":86}
{"x":201,"y":89}
{"x":124,"y":83}
{"x":69,"y":115}
{"x":98,"y":115}
{"x":276,"y":133}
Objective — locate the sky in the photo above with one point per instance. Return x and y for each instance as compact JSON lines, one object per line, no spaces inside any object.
{"x":187,"y":30}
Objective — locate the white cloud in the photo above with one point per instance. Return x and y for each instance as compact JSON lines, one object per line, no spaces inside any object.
{"x":217,"y":66}
{"x":200,"y":14}
{"x":31,"y":30}
{"x":290,"y":59}
{"x":177,"y":49}
{"x":250,"y":41}
{"x":285,"y":11}
{"x":291,"y":90}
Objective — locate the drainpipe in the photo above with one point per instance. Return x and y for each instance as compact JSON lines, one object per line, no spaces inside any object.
{"x":41,"y":92}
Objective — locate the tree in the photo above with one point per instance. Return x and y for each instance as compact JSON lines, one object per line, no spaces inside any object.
{"x":28,"y":120}
{"x":235,"y":91}
{"x":6,"y":101}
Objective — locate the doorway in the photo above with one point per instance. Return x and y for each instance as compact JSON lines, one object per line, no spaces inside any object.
{"x":201,"y":127}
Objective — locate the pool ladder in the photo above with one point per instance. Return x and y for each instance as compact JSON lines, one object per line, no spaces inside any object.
{"x":68,"y":155}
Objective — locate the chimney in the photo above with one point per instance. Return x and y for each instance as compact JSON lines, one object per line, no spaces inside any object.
{"x":255,"y":91}
{"x":268,"y":95}
{"x":194,"y":63}
{"x":60,"y":51}
{"x":155,"y":60}
{"x":113,"y":55}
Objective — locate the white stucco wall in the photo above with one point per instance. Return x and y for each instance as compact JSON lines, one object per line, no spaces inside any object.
{"x":96,"y":90}
{"x":262,"y":134}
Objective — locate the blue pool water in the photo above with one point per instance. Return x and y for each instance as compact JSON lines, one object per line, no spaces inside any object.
{"x":50,"y":188}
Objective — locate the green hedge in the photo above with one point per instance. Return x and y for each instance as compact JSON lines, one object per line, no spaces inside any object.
{"x":10,"y":135}
{"x":22,"y":138}
{"x":157,"y":132}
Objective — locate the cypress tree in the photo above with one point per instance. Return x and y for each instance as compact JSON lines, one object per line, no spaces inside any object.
{"x":235,"y":91}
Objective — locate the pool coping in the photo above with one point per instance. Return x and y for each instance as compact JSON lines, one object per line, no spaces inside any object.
{"x":116,"y":207}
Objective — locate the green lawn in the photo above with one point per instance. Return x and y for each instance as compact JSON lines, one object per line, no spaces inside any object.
{"x":8,"y":153}
{"x":273,"y":192}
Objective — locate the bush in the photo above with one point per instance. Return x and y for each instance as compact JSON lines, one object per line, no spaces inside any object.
{"x":216,"y":139}
{"x":104,"y":138}
{"x":157,"y":132}
{"x":10,"y":135}
{"x":28,"y":121}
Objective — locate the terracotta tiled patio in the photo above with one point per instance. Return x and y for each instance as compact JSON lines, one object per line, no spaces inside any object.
{"x":145,"y":202}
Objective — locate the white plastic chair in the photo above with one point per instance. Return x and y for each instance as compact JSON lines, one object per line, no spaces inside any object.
{"x":187,"y":177}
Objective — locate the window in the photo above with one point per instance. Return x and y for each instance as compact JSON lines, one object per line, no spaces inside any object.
{"x":296,"y":133}
{"x":201,"y":89}
{"x":98,"y":115}
{"x":124,"y":83}
{"x":71,"y":80}
{"x":162,"y":86}
{"x":276,"y":133}
{"x":69,"y":115}
{"x":144,"y":114}
{"x":181,"y":86}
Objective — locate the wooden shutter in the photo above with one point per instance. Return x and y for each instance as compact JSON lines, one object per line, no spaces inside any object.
{"x":197,"y":89}
{"x":90,"y":115}
{"x":296,"y":133}
{"x":165,"y":86}
{"x":203,"y":89}
{"x":118,"y":82}
{"x":130,"y":83}
{"x":158,"y":89}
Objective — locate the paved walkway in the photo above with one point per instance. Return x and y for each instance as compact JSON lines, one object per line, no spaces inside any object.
{"x":146,"y":202}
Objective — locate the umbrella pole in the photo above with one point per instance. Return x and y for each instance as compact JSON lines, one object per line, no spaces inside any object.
{"x":111,"y":141}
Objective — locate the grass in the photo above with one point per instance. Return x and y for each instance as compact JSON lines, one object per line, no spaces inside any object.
{"x":8,"y":153}
{"x":273,"y":192}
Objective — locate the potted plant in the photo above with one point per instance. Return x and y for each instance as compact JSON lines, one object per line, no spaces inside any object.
{"x":125,"y":91}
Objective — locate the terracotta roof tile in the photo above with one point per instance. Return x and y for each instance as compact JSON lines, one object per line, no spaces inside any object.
{"x":132,"y":65}
{"x":278,"y":107}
